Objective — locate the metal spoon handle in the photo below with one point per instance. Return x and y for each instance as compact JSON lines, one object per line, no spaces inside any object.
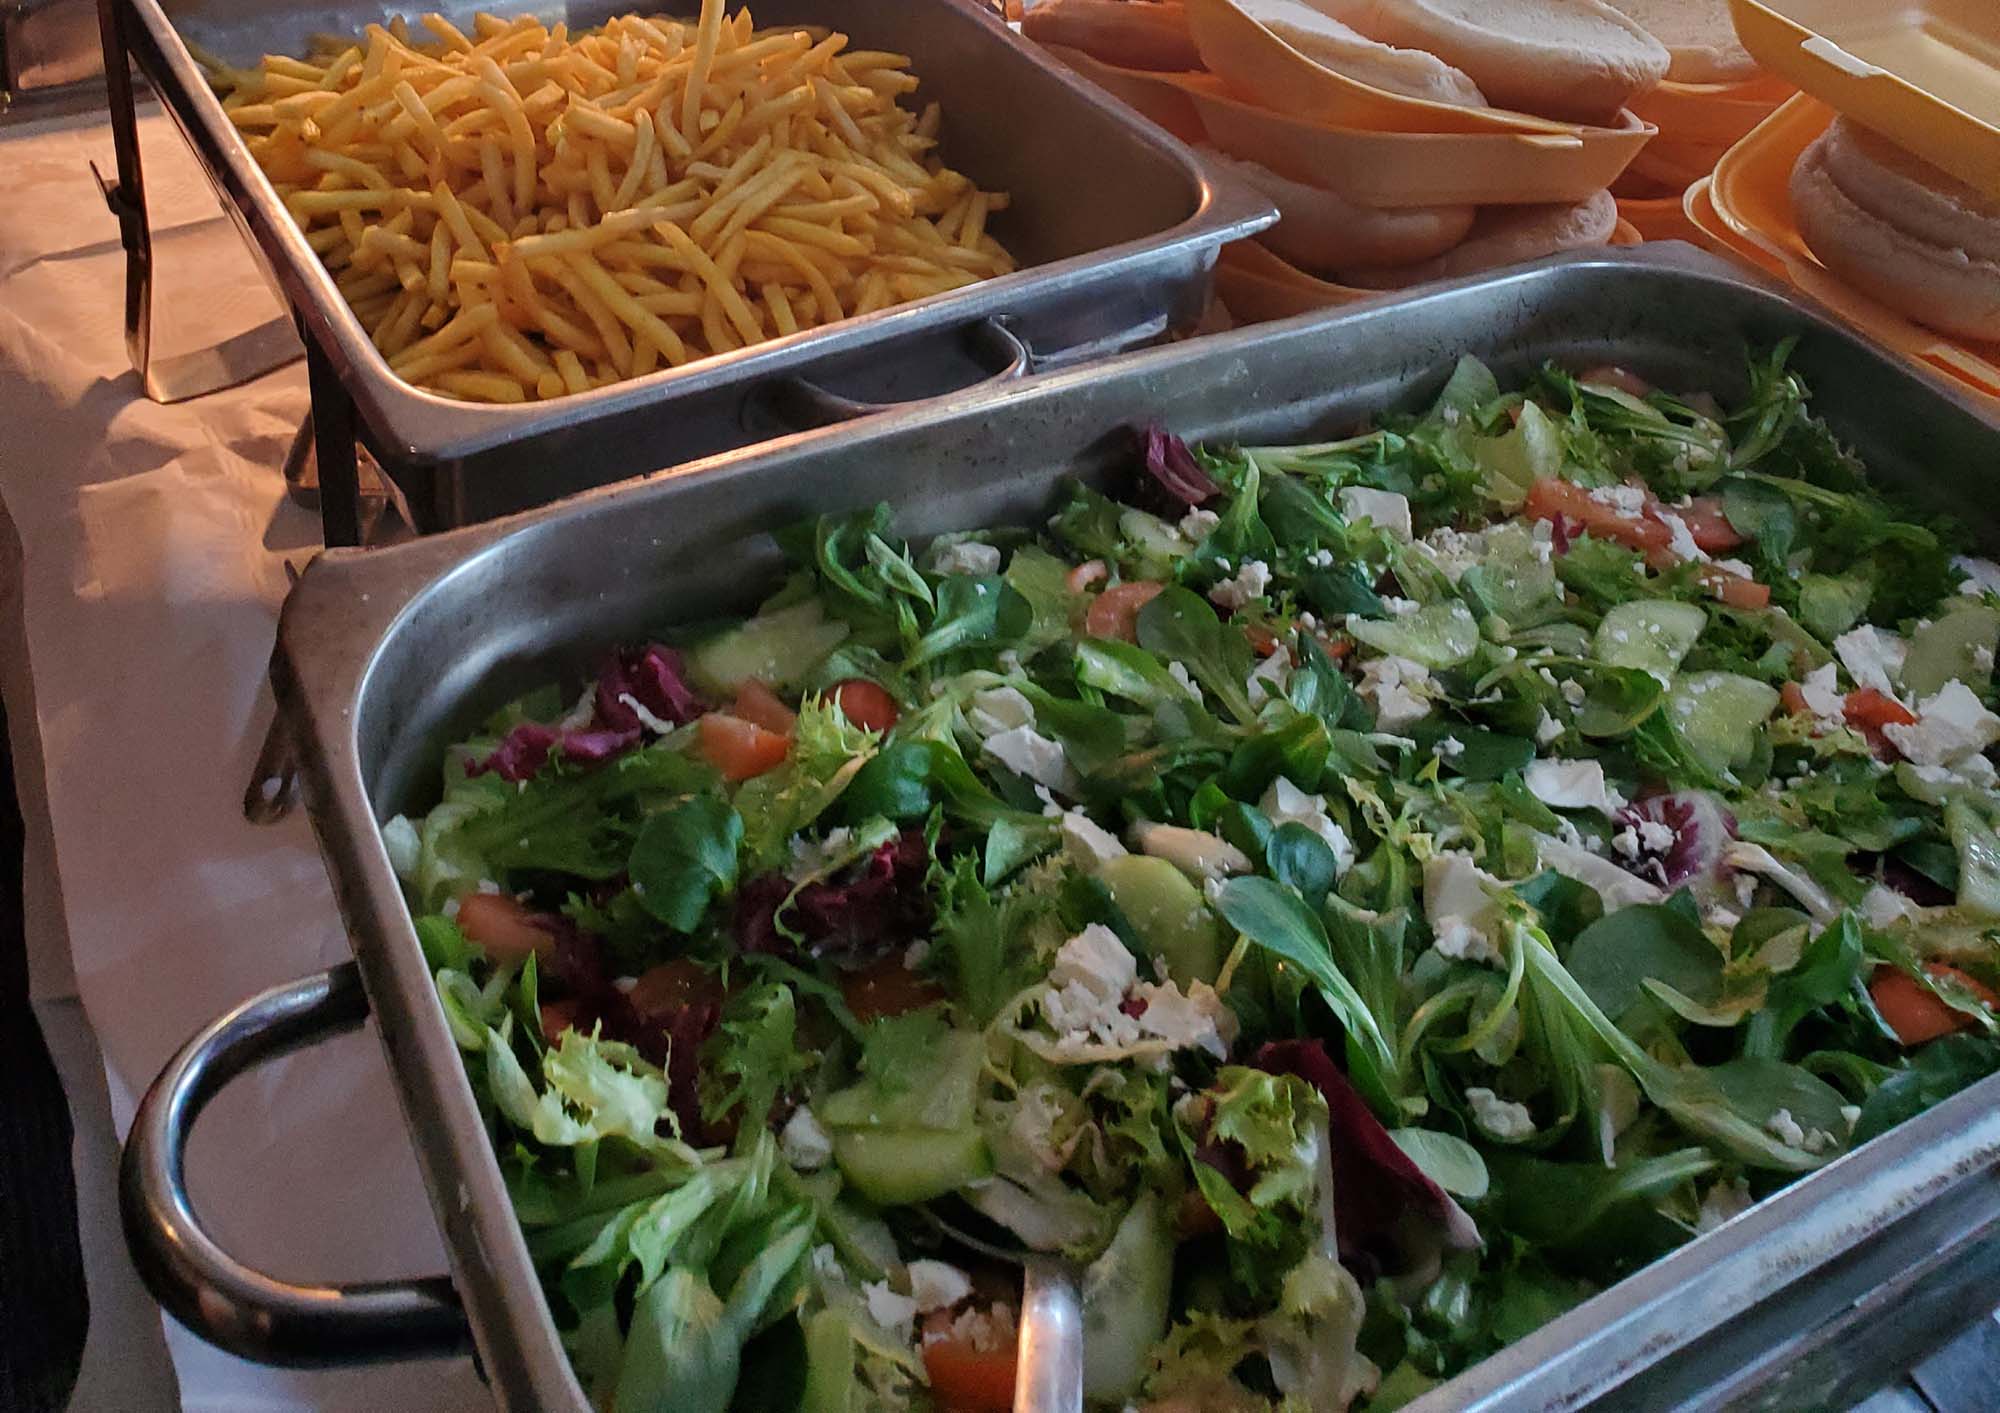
{"x":1049,"y":1377}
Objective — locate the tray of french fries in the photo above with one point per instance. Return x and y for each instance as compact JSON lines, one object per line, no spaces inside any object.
{"x":541,"y":256}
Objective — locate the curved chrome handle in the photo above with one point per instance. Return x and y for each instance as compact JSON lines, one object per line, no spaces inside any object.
{"x":222,"y":1300}
{"x":802,"y":403}
{"x":1049,"y":1375}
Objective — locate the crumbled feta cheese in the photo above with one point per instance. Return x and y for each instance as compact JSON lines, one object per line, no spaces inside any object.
{"x":1573,"y":691}
{"x":826,"y":1265}
{"x":1050,"y":809}
{"x":1625,"y":843}
{"x":1681,"y":539}
{"x":1823,"y":697}
{"x":1177,"y":670}
{"x":894,"y":1313}
{"x":1087,"y":986}
{"x":1459,"y":906}
{"x":1655,"y":836}
{"x":937,"y":1285}
{"x":803,"y":1143}
{"x":1247,"y":585}
{"x":1086,"y":843}
{"x":1033,"y":756}
{"x":1786,"y":1129}
{"x":1196,"y":524}
{"x":1850,"y":1114}
{"x":986,"y":1331}
{"x":1981,"y":575}
{"x":1266,"y":681}
{"x":1285,"y":803}
{"x":1500,"y":1118}
{"x":1195,"y":1020}
{"x":1952,"y":724}
{"x":1389,"y":510}
{"x":998,"y":709}
{"x":965,"y":557}
{"x":1872,"y":657}
{"x":1570,"y":785}
{"x":1400,"y":689}
{"x":1880,"y":907}
{"x":1547,"y":730}
{"x":1320,"y":559}
{"x":1453,"y":551}
{"x":1198,"y":854}
{"x":1448,"y":748}
{"x":1399,"y":608}
{"x":1723,"y":1202}
{"x":1626,"y":500}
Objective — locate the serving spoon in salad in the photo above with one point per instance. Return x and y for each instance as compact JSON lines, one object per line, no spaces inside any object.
{"x":1048,"y":1372}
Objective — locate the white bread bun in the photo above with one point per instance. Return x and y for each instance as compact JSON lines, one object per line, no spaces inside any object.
{"x":1578,"y":60}
{"x":1331,"y":44}
{"x":1320,"y":231}
{"x":1133,"y":34}
{"x":1503,"y":235}
{"x":1700,"y":37}
{"x":1929,"y":249}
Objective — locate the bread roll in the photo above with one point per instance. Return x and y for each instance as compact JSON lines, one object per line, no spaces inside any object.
{"x":1503,"y":235}
{"x":1699,"y":35}
{"x":1133,"y":34}
{"x":1334,"y":45}
{"x":1320,"y":231}
{"x":1898,"y":230}
{"x":1579,"y":60}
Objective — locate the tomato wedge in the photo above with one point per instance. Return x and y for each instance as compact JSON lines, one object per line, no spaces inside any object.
{"x":739,"y":748}
{"x":969,"y":1380}
{"x":1868,"y":711}
{"x":865,"y":704}
{"x":1553,"y":498}
{"x":760,"y":706}
{"x":1713,"y":534}
{"x":1916,"y":1014}
{"x":1115,"y":612}
{"x":1792,"y":697}
{"x":671,"y":987}
{"x":505,"y":926}
{"x":1734,"y":589}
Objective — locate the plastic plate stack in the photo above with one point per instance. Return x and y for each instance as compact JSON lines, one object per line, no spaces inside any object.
{"x":1925,"y":76}
{"x":1246,"y":90}
{"x":1698,"y":123}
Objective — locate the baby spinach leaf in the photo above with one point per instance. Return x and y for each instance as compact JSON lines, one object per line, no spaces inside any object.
{"x":1300,"y":859}
{"x":1614,"y":957}
{"x":1827,"y":971}
{"x":972,"y":611}
{"x":1933,"y":1075}
{"x":1181,"y":626}
{"x":684,"y":858}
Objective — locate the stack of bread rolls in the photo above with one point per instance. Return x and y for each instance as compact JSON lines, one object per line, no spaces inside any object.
{"x":1453,"y":76}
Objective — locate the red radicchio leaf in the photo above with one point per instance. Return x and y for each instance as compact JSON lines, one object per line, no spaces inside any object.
{"x":1702,"y":830}
{"x":1174,"y":467}
{"x":1389,"y":1218}
{"x":880,"y":906}
{"x":525,"y":750}
{"x":655,"y":678}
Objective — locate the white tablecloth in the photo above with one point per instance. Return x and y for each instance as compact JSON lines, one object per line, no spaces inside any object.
{"x":140,"y":589}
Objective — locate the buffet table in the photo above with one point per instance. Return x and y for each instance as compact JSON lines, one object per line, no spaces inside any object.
{"x":144,"y":571}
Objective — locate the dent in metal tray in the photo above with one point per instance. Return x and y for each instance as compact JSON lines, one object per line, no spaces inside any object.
{"x":1115,"y":225}
{"x":387,"y":657}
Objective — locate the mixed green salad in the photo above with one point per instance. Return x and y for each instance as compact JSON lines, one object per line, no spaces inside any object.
{"x":1354,"y":900}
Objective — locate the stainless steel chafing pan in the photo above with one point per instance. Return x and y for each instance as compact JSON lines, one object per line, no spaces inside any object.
{"x":1115,"y":225}
{"x":386,"y":657}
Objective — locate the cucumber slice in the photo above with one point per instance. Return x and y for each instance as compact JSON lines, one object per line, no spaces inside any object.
{"x":1652,"y":635}
{"x":1718,"y":714}
{"x":898,"y":1166}
{"x":1154,"y":537}
{"x":1978,"y":860}
{"x":779,"y":649}
{"x":1958,"y":645}
{"x":1168,"y":913}
{"x":1126,"y":1295}
{"x":941,"y":1098}
{"x":1438,"y":635}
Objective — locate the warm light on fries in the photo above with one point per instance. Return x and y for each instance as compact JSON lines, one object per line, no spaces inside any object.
{"x":519,"y":213}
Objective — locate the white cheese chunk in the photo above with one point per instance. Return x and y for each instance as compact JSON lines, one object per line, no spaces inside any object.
{"x":1952,"y":724}
{"x":1400,"y":690}
{"x":1389,"y":510}
{"x":803,"y":1143}
{"x":1459,"y":905}
{"x":1033,"y":756}
{"x":937,"y":1285}
{"x":1823,"y":697}
{"x":1197,"y":523}
{"x":1500,"y":1118}
{"x":1096,"y":962}
{"x":1571,"y":785}
{"x":965,"y":557}
{"x":1196,"y":1019}
{"x":1286,"y":803}
{"x":1086,"y":843}
{"x":1872,"y":657}
{"x":998,"y":709}
{"x":1246,"y":586}
{"x":1681,"y":539}
{"x":1267,"y":679}
{"x":1723,"y":1202}
{"x":893,"y":1312}
{"x":1981,"y":575}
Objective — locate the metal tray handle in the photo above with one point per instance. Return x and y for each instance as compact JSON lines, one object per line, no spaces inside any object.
{"x":802,"y":403}
{"x":218,"y":1297}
